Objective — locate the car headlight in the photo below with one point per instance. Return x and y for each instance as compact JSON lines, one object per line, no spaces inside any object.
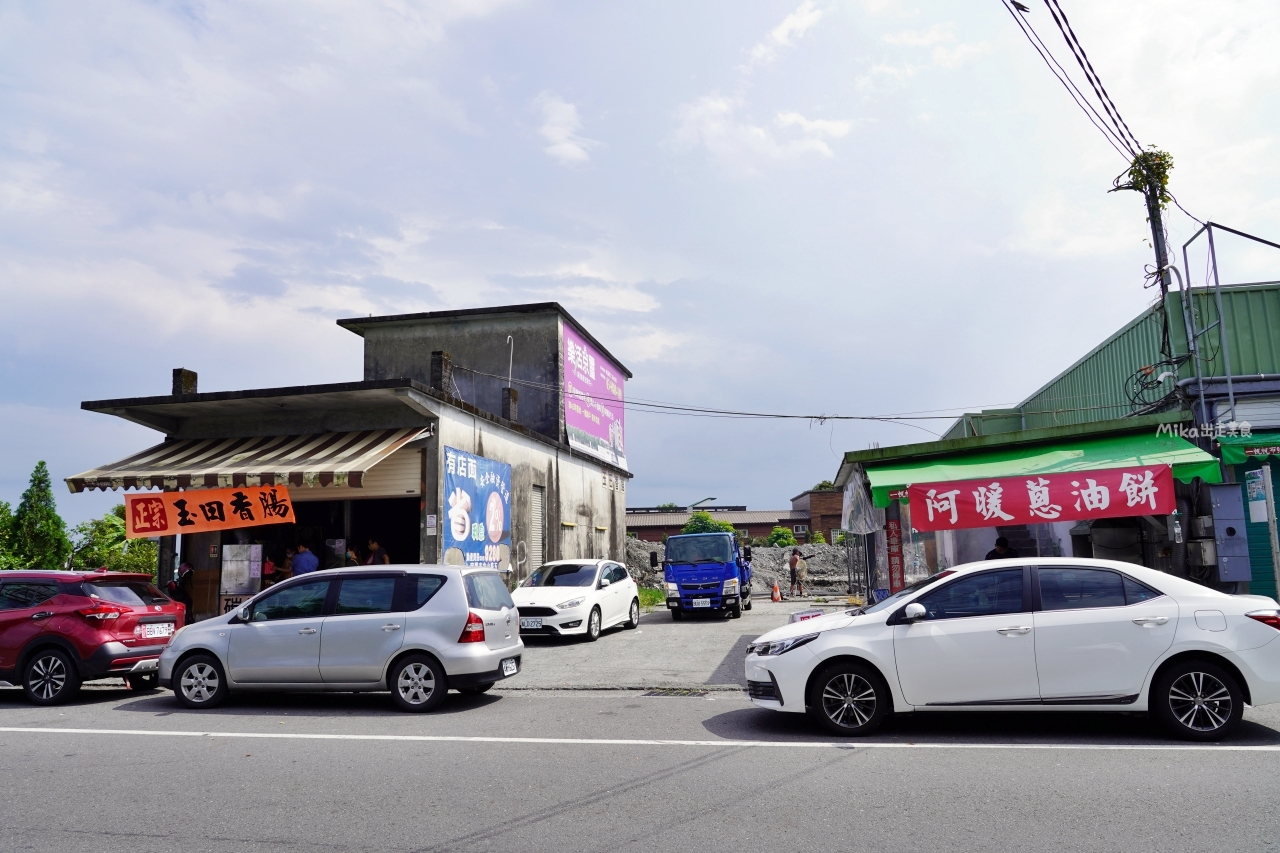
{"x":731,"y":586}
{"x":673,"y":589}
{"x":778,"y":647}
{"x":569,"y":605}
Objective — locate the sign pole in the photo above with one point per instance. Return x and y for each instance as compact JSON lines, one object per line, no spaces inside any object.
{"x":1271,"y":522}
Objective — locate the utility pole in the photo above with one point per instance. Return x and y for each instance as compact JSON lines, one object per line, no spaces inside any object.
{"x":1149,"y":175}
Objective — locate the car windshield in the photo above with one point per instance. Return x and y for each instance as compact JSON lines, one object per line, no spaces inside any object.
{"x":563,"y":575}
{"x":699,"y":549}
{"x":127,"y":592}
{"x":905,"y":592}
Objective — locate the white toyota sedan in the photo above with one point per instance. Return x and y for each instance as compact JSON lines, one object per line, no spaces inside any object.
{"x":1030,"y":634}
{"x":577,"y":597}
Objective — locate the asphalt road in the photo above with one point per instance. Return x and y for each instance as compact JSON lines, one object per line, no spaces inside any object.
{"x":612,"y":770}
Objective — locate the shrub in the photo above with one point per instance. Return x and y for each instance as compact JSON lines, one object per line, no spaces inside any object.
{"x":816,"y":538}
{"x":782,"y":537}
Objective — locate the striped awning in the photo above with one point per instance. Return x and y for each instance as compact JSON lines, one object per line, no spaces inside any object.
{"x":320,"y":459}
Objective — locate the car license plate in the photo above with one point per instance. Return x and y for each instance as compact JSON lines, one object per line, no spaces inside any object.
{"x":701,"y":602}
{"x":509,"y":666}
{"x":530,"y":624}
{"x":157,"y":629}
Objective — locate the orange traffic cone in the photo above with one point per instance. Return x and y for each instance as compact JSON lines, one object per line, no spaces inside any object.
{"x":777,"y":593}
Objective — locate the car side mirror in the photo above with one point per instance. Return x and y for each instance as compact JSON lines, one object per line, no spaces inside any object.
{"x":653,"y":559}
{"x":746,"y":553}
{"x":604,"y":582}
{"x":914,"y":612}
{"x":244,"y":614}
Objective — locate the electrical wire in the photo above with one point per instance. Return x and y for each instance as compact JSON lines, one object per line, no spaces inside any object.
{"x":1117,"y":142}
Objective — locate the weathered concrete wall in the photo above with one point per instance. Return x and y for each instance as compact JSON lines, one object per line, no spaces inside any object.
{"x":478,"y":343}
{"x":584,"y":516}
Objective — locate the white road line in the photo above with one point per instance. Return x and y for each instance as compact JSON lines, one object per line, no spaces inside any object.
{"x":552,"y":741}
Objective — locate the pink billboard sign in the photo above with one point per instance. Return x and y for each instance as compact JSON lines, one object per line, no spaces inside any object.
{"x":593,"y":413}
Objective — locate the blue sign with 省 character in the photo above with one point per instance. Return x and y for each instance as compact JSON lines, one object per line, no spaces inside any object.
{"x":478,"y":499}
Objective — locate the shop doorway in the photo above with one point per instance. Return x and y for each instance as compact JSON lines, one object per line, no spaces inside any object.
{"x":394,"y":522}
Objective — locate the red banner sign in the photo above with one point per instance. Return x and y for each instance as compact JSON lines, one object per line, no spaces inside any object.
{"x":200,"y":510}
{"x":893,"y":548}
{"x":1041,"y":498}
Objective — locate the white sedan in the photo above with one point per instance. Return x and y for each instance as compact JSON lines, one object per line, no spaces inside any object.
{"x":577,"y":597}
{"x":1030,"y":634}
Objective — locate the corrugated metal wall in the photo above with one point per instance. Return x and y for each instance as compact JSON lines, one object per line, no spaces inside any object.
{"x":1251,"y":315}
{"x":1094,"y":388}
{"x":1264,"y":578}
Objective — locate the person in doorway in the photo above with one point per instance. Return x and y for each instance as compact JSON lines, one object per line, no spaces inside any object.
{"x":352,"y":558}
{"x":378,"y":555}
{"x":268,"y":572}
{"x":1002,"y":551}
{"x":285,"y":570}
{"x":305,"y":562}
{"x":799,"y":571}
{"x":180,"y":590}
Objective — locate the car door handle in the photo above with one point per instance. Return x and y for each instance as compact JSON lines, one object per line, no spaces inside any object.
{"x":306,"y":630}
{"x":1145,"y":621}
{"x":1024,"y":629}
{"x":43,"y":614}
{"x":389,"y":628}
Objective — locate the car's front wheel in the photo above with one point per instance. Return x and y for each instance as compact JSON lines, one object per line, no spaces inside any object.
{"x":199,"y":682}
{"x":50,"y":677}
{"x":1197,"y":700}
{"x":633,"y":616}
{"x":418,"y":683}
{"x":849,"y":699}
{"x":593,"y":626}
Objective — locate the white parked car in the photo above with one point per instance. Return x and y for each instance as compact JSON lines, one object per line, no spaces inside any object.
{"x":414,"y":630}
{"x":577,"y":597}
{"x":1030,"y":634}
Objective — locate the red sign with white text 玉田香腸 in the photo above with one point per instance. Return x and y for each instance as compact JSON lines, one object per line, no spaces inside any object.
{"x":1041,"y":498}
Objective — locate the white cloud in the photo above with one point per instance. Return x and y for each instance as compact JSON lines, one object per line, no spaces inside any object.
{"x":560,"y":126}
{"x":713,"y":122}
{"x":785,"y":34}
{"x":937,"y":34}
{"x":952,"y":57}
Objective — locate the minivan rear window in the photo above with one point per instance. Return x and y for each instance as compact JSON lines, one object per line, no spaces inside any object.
{"x":486,"y":591}
{"x":126,"y":592}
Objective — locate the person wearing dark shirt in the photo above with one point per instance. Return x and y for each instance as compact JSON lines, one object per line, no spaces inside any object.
{"x":304,"y":562}
{"x":378,"y":555}
{"x":1002,"y":551}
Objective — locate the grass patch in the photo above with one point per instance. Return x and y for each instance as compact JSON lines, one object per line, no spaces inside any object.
{"x":652,"y":598}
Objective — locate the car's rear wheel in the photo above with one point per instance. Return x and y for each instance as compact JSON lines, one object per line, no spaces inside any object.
{"x":50,"y":677}
{"x":593,"y":626}
{"x":633,"y":616}
{"x":1197,"y":700}
{"x":849,"y":699}
{"x":476,"y":689}
{"x":418,"y":683}
{"x":199,"y":682}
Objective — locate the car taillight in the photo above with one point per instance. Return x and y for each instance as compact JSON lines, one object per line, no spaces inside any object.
{"x":102,"y":610}
{"x":1266,"y":617}
{"x":473,"y":631}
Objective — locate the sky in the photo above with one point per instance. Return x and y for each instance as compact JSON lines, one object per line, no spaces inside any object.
{"x":855,"y":207}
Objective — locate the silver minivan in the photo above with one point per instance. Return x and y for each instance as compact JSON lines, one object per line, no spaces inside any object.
{"x":414,"y":630}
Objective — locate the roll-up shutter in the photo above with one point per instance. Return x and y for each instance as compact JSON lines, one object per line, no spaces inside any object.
{"x":537,"y":524}
{"x":397,"y":476}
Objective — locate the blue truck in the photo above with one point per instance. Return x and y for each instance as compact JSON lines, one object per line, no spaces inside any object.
{"x":706,"y":572}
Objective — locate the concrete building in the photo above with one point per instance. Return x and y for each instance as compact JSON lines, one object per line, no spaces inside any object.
{"x":510,"y":388}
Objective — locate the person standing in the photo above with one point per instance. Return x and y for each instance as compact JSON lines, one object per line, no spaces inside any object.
{"x":1002,"y":551}
{"x":378,"y":555}
{"x":799,"y":571}
{"x":305,"y":562}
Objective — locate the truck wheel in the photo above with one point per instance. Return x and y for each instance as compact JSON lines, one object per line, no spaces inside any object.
{"x":735,"y":612}
{"x":676,"y":615}
{"x":746,"y":604}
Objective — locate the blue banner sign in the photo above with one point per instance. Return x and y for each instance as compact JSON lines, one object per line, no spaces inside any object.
{"x":477,"y":494}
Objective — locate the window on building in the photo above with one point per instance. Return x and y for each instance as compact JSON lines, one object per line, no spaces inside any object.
{"x":800,"y":528}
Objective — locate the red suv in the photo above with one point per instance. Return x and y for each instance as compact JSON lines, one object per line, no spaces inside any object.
{"x":58,"y":629}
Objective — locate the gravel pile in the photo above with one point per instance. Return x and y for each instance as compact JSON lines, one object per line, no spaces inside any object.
{"x":827,"y":567}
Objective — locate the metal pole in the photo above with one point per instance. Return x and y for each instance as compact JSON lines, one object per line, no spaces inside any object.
{"x":1271,"y":522}
{"x":1222,"y":332}
{"x":1189,"y":317}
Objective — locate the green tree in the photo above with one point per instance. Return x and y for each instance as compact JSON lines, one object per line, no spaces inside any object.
{"x":102,"y":543}
{"x":816,"y":538}
{"x":702,"y":522}
{"x":38,"y":535}
{"x":666,"y":506}
{"x":782,"y":537}
{"x":6,"y":534}
{"x":825,"y":485}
